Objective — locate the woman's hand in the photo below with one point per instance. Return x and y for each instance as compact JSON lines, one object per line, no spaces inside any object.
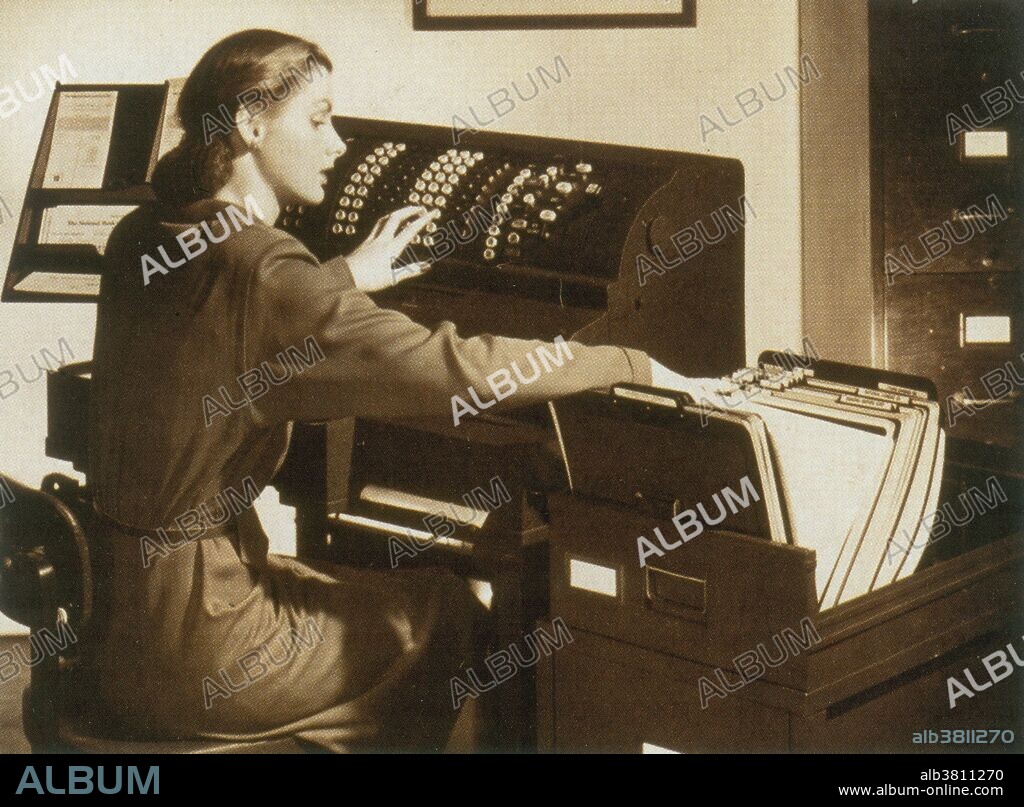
{"x":372,"y":262}
{"x":708,"y":389}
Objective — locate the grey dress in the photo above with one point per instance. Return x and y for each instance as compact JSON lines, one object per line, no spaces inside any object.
{"x":201,"y":632}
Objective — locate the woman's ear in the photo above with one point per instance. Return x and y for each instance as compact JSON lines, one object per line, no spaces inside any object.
{"x":251,"y":128}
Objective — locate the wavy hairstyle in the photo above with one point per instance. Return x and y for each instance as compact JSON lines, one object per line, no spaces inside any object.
{"x":253,"y":69}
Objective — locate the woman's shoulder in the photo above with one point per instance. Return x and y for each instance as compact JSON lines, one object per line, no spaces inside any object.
{"x":229,"y":232}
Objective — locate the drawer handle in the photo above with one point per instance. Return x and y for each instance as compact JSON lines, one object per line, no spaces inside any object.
{"x":1009,"y":398}
{"x":991,"y":221}
{"x":676,"y":593}
{"x":964,"y":30}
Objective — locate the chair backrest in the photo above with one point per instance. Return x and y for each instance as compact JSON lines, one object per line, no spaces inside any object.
{"x":46,"y":582}
{"x":45,"y":569}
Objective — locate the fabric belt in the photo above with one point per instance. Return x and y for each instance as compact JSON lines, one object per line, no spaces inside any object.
{"x":244,"y":529}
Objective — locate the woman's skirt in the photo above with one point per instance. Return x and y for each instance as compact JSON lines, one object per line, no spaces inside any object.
{"x":199,"y":639}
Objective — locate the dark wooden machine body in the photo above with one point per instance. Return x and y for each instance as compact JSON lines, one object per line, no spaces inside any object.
{"x":576,"y":278}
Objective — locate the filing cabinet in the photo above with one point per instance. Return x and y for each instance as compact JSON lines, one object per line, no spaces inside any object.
{"x":873,"y":673}
{"x":953,"y":315}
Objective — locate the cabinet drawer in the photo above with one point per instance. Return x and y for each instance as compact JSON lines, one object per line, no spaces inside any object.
{"x":963,"y":331}
{"x":612,"y":697}
{"x":969,"y":221}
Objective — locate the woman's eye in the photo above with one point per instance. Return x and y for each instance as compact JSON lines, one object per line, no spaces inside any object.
{"x":319,"y":122}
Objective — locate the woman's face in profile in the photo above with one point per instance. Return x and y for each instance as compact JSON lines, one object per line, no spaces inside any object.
{"x":300,"y":145}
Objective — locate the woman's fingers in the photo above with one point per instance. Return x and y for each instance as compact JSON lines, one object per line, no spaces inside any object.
{"x":377,"y":228}
{"x":414,"y":228}
{"x":394,"y":220}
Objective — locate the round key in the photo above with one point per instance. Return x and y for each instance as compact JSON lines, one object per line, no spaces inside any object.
{"x":356,"y":177}
{"x":420,"y":185}
{"x":452,"y":152}
{"x":464,"y":154}
{"x":513,"y":238}
{"x":383,"y":161}
{"x":428,"y":199}
{"x":432,"y":187}
{"x":584,"y":168}
{"x":431,"y":227}
{"x":491,"y":241}
{"x":392,"y":153}
{"x":488,"y":254}
{"x":444,"y":158}
{"x":357,"y":204}
{"x":530,"y":199}
{"x":446,"y":188}
{"x":363,"y":191}
{"x":435,"y":166}
{"x":506,"y":198}
{"x":363,"y":168}
{"x":492,"y":230}
{"x":400,"y":146}
{"x":564,"y":187}
{"x":460,"y":169}
{"x":478,"y":155}
{"x":375,"y":170}
{"x":379,"y":150}
{"x":350,"y":229}
{"x":448,"y":168}
{"x":344,"y":201}
{"x":548,"y":215}
{"x":371,"y":158}
{"x":414,"y":197}
{"x":336,"y":229}
{"x":339,"y":215}
{"x":350,"y":188}
{"x":428,"y":240}
{"x":440,"y":201}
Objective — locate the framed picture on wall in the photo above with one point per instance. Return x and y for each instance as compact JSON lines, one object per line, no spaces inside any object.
{"x":481,"y":15}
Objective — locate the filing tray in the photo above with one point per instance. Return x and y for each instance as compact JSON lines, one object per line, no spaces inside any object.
{"x":878,"y":673}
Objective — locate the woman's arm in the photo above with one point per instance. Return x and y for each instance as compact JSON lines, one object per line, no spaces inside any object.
{"x":364,"y":360}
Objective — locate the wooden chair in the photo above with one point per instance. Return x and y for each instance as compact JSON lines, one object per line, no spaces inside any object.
{"x":46,"y":583}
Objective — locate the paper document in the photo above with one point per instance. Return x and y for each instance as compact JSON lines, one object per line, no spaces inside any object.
{"x":81,"y":139}
{"x":81,"y":224}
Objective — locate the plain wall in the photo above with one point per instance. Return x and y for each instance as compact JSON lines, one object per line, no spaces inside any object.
{"x":835,"y":126}
{"x":635,"y":87}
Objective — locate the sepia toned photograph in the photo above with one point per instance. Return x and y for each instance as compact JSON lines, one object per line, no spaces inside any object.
{"x":512,"y":377}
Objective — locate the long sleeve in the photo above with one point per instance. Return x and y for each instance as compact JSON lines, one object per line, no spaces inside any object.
{"x":359,"y":359}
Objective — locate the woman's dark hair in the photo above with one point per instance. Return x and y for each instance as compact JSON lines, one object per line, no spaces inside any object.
{"x":255,"y":69}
